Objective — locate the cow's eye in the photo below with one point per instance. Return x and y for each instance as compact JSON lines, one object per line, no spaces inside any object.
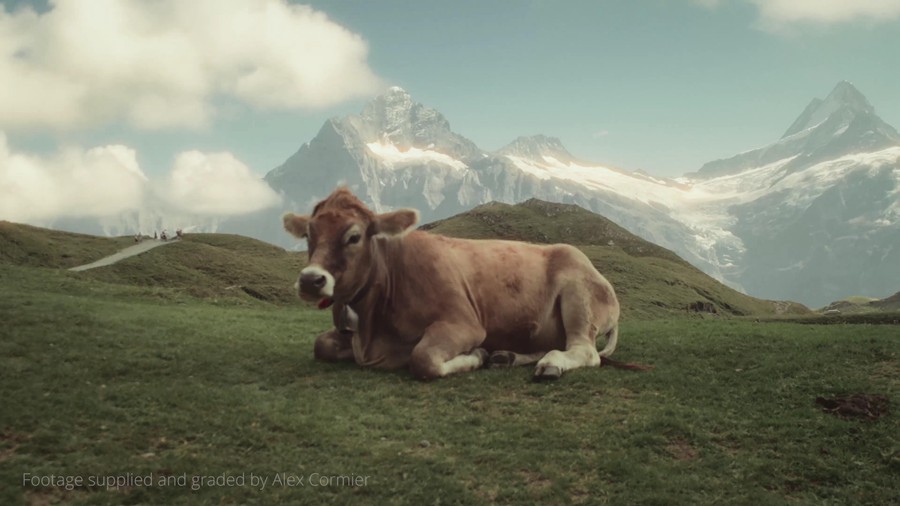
{"x":353,"y":239}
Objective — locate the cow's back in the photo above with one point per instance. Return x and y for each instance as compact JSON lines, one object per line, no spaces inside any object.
{"x":512,"y":288}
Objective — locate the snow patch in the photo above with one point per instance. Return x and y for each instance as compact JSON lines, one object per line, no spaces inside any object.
{"x":393,"y":157}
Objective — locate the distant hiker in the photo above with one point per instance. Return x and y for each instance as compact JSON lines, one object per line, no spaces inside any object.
{"x":154,"y":235}
{"x":178,"y":233}
{"x":163,"y":236}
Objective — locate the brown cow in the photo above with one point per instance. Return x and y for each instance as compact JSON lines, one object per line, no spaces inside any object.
{"x":443,"y":305}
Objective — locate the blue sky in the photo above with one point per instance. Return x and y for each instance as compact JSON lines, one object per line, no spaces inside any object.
{"x":658,"y":85}
{"x":663,"y":86}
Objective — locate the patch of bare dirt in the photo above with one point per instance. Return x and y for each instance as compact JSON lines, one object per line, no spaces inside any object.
{"x":10,"y":441}
{"x":681,"y":449}
{"x":534,"y":482}
{"x":864,"y":406}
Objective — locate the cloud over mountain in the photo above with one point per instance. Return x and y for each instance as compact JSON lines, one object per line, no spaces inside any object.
{"x":107,"y":181}
{"x":216,"y":184}
{"x":97,"y":182}
{"x":169,"y":63}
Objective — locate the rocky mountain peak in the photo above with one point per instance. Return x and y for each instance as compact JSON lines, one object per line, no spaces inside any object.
{"x":535,"y":147}
{"x":843,"y":123}
{"x":844,"y":101}
{"x":396,"y":118}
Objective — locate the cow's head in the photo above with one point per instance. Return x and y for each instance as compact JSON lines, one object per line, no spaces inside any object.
{"x":339,"y":234}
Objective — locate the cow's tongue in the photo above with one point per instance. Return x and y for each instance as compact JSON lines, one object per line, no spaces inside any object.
{"x":325,"y":303}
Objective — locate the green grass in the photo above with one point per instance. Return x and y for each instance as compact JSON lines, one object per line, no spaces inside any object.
{"x":105,"y":379}
{"x":40,"y":247}
{"x":212,"y":266}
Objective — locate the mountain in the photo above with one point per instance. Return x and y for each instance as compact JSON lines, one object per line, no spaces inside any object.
{"x":811,"y":217}
{"x":399,"y":153}
{"x":844,"y":123}
{"x":816,"y":213}
{"x":395,"y":153}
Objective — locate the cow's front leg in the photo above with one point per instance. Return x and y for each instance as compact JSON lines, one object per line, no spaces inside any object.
{"x":448,"y":348}
{"x":334,"y":346}
{"x":337,"y":344}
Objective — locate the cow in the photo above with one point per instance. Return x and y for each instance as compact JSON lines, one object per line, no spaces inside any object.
{"x":442,"y":305}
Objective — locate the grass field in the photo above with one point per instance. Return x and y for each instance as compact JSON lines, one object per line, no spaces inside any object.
{"x":108,"y":381}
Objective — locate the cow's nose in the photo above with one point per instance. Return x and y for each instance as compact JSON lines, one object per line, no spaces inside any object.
{"x":312,"y":280}
{"x":315,"y":282}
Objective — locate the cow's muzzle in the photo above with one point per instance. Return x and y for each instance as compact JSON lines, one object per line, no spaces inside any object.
{"x":315,"y":282}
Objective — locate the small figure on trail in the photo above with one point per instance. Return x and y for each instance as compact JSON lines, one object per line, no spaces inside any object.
{"x":154,"y":235}
{"x":163,"y":236}
{"x":178,"y":233}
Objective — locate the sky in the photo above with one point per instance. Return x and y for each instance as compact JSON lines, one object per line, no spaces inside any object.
{"x":186,"y":104}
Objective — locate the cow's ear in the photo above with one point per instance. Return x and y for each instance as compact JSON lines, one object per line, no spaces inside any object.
{"x":396,"y":222}
{"x":296,"y":224}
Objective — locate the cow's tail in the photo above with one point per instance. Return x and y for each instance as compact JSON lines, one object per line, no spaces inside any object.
{"x":612,"y":338}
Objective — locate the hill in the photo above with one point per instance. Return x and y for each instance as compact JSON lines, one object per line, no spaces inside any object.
{"x":199,"y":265}
{"x":864,"y":305}
{"x":212,"y":265}
{"x":651,"y":281}
{"x":26,"y":245}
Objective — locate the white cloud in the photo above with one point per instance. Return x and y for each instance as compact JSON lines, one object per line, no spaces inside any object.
{"x":217,"y":184}
{"x":707,"y":3}
{"x":166,"y":63}
{"x":97,"y":182}
{"x":107,"y":182}
{"x":780,"y":12}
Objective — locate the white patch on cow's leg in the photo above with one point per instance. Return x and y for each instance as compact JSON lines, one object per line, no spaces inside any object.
{"x":310,"y":286}
{"x":447,"y":348}
{"x":463,"y":363}
{"x":556,"y":362}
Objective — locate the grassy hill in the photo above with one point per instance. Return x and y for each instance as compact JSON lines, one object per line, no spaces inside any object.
{"x":212,"y":266}
{"x":199,"y":265}
{"x":547,"y":222}
{"x":651,"y":281}
{"x":861,"y":305}
{"x":40,"y":247}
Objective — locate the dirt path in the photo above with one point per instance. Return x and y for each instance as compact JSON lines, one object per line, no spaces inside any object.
{"x":130,"y":251}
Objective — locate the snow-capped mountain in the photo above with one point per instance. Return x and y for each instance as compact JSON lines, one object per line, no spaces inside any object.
{"x":398,"y":153}
{"x":812,"y":217}
{"x":844,"y":123}
{"x":816,"y":213}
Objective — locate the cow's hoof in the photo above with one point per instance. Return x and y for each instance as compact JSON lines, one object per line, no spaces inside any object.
{"x":547,"y":372}
{"x":502,"y":358}
{"x":482,"y":355}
